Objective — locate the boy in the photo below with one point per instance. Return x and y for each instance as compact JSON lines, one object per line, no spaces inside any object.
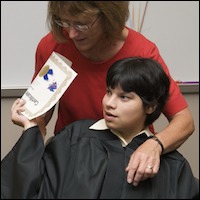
{"x":95,"y":153}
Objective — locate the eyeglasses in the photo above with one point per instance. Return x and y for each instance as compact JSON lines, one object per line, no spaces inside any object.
{"x":78,"y":27}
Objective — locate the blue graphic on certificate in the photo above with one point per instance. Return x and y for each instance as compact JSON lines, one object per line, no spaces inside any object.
{"x":48,"y":86}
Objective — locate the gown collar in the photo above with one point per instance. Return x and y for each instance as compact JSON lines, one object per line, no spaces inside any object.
{"x":101,"y":125}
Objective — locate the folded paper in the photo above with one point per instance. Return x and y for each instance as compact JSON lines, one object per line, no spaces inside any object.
{"x":48,"y":86}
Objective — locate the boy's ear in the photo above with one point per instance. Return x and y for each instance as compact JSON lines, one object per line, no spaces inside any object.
{"x":150,"y":109}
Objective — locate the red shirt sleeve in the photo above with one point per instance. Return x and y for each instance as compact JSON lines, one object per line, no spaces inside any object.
{"x":176,"y":101}
{"x":44,"y":49}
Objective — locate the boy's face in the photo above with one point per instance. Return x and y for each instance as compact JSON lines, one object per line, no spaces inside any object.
{"x":123,"y":112}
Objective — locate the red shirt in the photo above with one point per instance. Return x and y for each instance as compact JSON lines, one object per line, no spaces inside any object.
{"x":82,"y":100}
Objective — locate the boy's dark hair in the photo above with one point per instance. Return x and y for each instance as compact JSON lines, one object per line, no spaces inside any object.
{"x":146,"y":78}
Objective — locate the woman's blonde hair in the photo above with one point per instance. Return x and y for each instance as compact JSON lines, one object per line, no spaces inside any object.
{"x":114,"y":15}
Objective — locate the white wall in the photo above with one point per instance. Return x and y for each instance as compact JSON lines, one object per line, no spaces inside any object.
{"x":172,"y":25}
{"x":23,"y":24}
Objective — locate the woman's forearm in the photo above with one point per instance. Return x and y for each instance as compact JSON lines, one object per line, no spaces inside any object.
{"x":181,"y":127}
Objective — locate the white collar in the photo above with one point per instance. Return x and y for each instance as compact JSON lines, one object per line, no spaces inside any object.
{"x":101,"y":125}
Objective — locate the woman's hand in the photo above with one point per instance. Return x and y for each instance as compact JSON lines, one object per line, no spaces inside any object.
{"x":18,"y":118}
{"x":144,"y":162}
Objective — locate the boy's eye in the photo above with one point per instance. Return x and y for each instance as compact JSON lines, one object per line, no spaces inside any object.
{"x":124,"y":97}
{"x":108,"y":91}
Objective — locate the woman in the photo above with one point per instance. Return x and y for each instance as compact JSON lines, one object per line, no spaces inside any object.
{"x":93,"y":35}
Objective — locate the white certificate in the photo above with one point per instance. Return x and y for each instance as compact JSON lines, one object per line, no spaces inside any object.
{"x":48,"y":86}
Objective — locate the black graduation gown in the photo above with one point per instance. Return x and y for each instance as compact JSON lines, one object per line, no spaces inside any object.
{"x":80,"y":163}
